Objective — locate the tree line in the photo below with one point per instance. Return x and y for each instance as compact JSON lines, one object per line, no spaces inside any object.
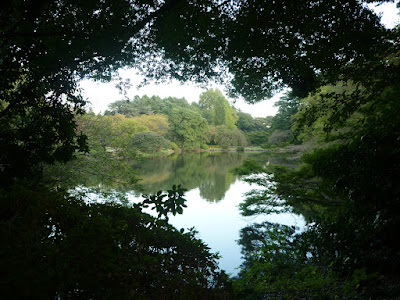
{"x":150,"y":124}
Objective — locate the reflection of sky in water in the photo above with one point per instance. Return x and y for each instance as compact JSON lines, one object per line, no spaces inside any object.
{"x":219,"y":223}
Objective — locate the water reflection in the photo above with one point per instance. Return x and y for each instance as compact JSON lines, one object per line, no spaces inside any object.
{"x":256,"y":236}
{"x":207,"y":171}
{"x":220,"y":223}
{"x":213,"y":196}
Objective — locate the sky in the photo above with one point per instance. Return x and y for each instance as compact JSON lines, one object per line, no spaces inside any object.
{"x":100,"y":95}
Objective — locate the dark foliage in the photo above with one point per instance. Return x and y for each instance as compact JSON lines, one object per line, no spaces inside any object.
{"x":55,"y":246}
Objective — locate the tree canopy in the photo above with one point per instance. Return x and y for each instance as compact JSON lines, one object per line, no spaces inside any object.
{"x":275,"y":44}
{"x":188,"y":127}
{"x":216,"y":109}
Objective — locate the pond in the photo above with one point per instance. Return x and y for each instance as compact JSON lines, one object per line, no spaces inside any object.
{"x":213,"y":195}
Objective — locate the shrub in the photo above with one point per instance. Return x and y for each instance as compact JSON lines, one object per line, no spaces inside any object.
{"x":174,"y":146}
{"x":225,"y":137}
{"x":149,"y":142}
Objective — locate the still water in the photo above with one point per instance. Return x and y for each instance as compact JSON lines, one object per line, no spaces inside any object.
{"x":213,"y":196}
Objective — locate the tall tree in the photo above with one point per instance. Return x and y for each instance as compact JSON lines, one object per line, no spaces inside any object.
{"x":216,"y":109}
{"x":287,"y":107}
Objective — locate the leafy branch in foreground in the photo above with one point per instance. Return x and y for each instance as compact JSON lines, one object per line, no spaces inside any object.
{"x":173,"y":204}
{"x":58,"y":246}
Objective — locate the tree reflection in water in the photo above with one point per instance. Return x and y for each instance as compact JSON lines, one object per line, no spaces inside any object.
{"x":210,"y":172}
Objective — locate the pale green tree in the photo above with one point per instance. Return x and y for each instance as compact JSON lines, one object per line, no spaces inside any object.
{"x":330,"y":113}
{"x":156,"y":123}
{"x":216,"y":109}
{"x":109,"y":131}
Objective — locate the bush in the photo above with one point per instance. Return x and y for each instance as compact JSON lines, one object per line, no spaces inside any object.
{"x":204,"y":147}
{"x":225,"y":137}
{"x":174,"y":146}
{"x":240,"y":148}
{"x":149,"y":142}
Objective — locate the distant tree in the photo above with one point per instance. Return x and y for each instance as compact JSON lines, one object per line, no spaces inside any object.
{"x":245,"y":121}
{"x":136,"y":107}
{"x":262,"y":123}
{"x":287,"y":107}
{"x":145,"y":105}
{"x":154,"y":102}
{"x":279,"y":137}
{"x":124,"y":107}
{"x":230,"y":116}
{"x":187,"y":127}
{"x":256,"y":130}
{"x":195,"y":107}
{"x":258,"y":137}
{"x":109,"y":131}
{"x":171,"y":102}
{"x":216,"y":109}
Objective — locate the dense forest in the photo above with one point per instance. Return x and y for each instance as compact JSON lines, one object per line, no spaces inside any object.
{"x":341,"y":114}
{"x":150,"y":124}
